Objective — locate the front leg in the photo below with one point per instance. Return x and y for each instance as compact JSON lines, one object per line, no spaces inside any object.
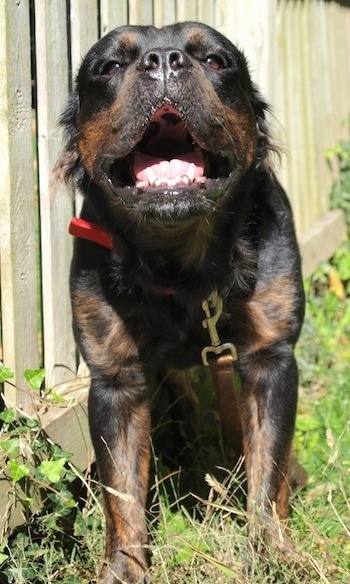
{"x":120,"y":428}
{"x":269,"y":401}
{"x":119,"y":421}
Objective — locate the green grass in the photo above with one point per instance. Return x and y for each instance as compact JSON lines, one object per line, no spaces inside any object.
{"x":201,"y":537}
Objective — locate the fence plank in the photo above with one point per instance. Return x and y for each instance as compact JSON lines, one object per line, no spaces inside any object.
{"x":140,"y":12}
{"x":164,"y":12}
{"x":84,"y":21}
{"x":17,"y":203}
{"x":112,"y":14}
{"x":253,"y":29}
{"x":69,"y":426}
{"x":84,"y":32}
{"x":320,"y":96}
{"x":320,"y":241}
{"x":206,"y":11}
{"x":186,"y":10}
{"x":55,"y":205}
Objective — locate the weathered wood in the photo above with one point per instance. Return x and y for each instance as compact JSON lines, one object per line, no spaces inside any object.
{"x":84,"y":27}
{"x":112,"y":14}
{"x":55,"y":203}
{"x":84,"y":32}
{"x":319,"y":98}
{"x":206,"y":12}
{"x":164,"y":12}
{"x":68,"y":426}
{"x":319,"y":242}
{"x":65,"y":426}
{"x":253,"y":29}
{"x":18,"y":243}
{"x":140,"y":12}
{"x":186,"y":10}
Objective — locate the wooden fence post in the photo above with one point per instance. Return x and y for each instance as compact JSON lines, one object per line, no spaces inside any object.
{"x":19,"y":298}
{"x":56,"y":206}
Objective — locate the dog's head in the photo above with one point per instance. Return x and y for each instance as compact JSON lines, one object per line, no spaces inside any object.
{"x":164,"y":120}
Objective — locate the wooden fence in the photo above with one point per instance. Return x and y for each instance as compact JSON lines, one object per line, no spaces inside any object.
{"x":298,"y":52}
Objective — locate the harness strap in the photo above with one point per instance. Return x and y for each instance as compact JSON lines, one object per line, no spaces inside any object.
{"x":222,"y":372}
{"x":221,"y":366}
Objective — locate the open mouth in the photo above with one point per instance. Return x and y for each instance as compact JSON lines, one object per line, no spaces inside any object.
{"x":169,"y":159}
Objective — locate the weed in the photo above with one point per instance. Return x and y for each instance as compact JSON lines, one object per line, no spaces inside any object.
{"x":58,"y":516}
{"x":340,"y":194}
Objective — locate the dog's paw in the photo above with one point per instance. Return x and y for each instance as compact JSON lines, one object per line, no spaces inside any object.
{"x":298,"y":475}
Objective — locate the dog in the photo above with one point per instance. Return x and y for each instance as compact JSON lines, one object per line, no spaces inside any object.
{"x":166,"y":137}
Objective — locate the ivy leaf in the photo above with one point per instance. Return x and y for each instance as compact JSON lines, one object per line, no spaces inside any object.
{"x":18,"y":471}
{"x":8,"y":416}
{"x":31,"y":423}
{"x":52,"y":469}
{"x":35,"y":377}
{"x":5,"y":373}
{"x":10,"y":446}
{"x":57,"y":452}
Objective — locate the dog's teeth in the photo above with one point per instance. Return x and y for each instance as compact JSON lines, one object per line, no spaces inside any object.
{"x":141,"y":184}
{"x":151,"y":177}
{"x":191,"y":172}
{"x":155,"y":181}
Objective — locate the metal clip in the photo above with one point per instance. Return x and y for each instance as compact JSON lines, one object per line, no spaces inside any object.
{"x":213,"y":309}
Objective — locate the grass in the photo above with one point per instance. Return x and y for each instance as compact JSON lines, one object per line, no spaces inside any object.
{"x":197,"y":520}
{"x":198,"y":529}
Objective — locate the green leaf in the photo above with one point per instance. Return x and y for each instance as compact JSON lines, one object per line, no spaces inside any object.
{"x":35,"y":377}
{"x":52,"y":469}
{"x":57,"y":398}
{"x":3,"y":558}
{"x":62,"y":507}
{"x":8,"y":416}
{"x":31,"y":423}
{"x":10,"y":446}
{"x":219,"y":565}
{"x":27,"y":502}
{"x":5,"y":373}
{"x":80,"y":527}
{"x":18,"y":471}
{"x":57,"y":452}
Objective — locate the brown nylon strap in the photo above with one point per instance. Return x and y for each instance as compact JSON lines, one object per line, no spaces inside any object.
{"x":222,"y":372}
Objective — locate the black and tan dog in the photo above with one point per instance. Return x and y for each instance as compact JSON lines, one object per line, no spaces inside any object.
{"x":167,"y":139}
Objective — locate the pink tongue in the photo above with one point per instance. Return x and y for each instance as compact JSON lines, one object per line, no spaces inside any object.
{"x":149,"y":168}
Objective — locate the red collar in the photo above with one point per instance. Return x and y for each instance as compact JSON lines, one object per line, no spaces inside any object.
{"x":93,"y":232}
{"x":86,"y":230}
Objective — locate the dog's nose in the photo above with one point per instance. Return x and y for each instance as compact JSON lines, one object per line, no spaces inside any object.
{"x":167,"y":63}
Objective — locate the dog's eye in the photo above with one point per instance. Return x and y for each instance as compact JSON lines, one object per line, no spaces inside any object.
{"x":214,"y":62}
{"x":111,"y":68}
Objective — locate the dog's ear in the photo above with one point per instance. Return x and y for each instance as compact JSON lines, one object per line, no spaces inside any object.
{"x":67,"y":165}
{"x":266,"y":144}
